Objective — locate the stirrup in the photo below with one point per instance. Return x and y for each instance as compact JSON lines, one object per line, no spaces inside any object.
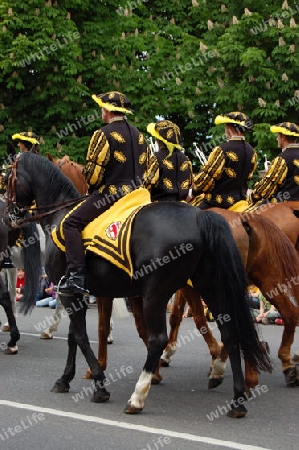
{"x":70,"y":289}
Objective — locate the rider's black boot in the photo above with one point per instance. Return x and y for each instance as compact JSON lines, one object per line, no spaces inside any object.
{"x":74,"y":283}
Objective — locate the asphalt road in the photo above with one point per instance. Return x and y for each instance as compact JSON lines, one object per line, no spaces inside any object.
{"x":179,"y":414}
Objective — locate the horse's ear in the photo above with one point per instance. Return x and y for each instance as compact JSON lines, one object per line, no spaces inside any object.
{"x":49,"y":156}
{"x":66,"y":158}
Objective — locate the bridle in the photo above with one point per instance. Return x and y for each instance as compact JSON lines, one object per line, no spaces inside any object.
{"x":15,"y":213}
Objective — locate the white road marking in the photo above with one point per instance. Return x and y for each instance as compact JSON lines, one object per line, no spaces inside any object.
{"x":132,"y":426}
{"x":54,"y":337}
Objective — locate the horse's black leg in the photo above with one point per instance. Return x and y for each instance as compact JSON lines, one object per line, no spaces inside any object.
{"x":12,"y":348}
{"x":155,"y":318}
{"x":76,"y":309}
{"x":63,"y":384}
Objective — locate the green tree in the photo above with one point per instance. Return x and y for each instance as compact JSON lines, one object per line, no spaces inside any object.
{"x":183,"y":60}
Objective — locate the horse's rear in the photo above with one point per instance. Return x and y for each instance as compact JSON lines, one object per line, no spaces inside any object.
{"x":286,"y":216}
{"x":271,"y":264}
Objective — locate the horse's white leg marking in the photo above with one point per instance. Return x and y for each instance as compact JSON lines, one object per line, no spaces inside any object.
{"x":218,"y":369}
{"x":167,"y":354}
{"x":56,"y":318}
{"x":141,"y":389}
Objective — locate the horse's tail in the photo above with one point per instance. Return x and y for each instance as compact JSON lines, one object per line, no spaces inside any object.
{"x":32,"y":266}
{"x":222,"y":262}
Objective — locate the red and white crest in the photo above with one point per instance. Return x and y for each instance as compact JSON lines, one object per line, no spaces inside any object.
{"x":112,"y":230}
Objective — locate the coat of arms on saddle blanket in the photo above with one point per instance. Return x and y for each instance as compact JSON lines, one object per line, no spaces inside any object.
{"x":109,"y":234}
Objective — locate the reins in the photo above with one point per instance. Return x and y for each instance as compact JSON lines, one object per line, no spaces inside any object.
{"x":57,"y":207}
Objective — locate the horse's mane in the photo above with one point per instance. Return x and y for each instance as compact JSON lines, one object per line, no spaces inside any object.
{"x":58,"y":181}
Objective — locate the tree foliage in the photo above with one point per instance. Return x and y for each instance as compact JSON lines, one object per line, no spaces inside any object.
{"x":186,"y":60}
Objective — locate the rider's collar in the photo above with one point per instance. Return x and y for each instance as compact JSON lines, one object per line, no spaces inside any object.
{"x":236,"y":138}
{"x":117,"y":118}
{"x":294,"y":145}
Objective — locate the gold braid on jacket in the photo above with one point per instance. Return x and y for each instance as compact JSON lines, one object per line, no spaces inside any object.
{"x":204,"y":181}
{"x":270,"y":184}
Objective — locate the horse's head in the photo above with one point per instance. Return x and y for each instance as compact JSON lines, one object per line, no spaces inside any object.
{"x":72,"y":170}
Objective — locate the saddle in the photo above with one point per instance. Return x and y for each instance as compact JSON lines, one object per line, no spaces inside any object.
{"x":109,"y":234}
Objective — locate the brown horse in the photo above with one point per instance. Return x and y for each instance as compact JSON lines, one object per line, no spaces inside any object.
{"x":276,"y":284}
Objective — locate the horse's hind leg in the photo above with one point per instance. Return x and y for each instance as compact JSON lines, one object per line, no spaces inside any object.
{"x":104,"y":315}
{"x":155,"y":319}
{"x":290,"y":316}
{"x":217,"y":351}
{"x":175,"y":320}
{"x":289,"y":368}
{"x":137,"y":311}
{"x":76,"y":310}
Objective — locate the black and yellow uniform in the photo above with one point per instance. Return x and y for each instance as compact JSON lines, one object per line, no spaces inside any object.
{"x":224,"y":178}
{"x":281,"y":178}
{"x":117,"y":161}
{"x":281,"y":182}
{"x":170,"y":176}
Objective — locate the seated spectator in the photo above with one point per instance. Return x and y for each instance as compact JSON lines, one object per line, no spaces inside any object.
{"x":20,"y":283}
{"x":46,"y":295}
{"x":263,"y":312}
{"x":254,"y":297}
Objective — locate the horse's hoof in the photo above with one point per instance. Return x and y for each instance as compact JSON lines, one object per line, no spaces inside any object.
{"x":46,"y":335}
{"x":164,"y":363}
{"x":100,"y":396}
{"x":6,"y":328}
{"x":290,"y":375}
{"x":88,"y":375}
{"x":130,"y":409}
{"x":156,"y":379}
{"x":60,"y":388}
{"x":237,"y":412}
{"x":214,"y":382}
{"x":11,"y":350}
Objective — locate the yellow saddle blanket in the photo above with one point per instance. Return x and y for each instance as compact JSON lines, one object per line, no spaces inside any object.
{"x":109,"y":234}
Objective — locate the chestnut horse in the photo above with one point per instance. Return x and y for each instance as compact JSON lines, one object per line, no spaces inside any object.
{"x":274,"y":274}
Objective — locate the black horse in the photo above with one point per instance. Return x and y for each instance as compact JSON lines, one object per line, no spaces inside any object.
{"x":199,"y":247}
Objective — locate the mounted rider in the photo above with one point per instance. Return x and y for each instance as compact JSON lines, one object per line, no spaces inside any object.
{"x":223,"y":179}
{"x":170,"y":169}
{"x":117,"y":162}
{"x":28,"y":141}
{"x":281,"y":182}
